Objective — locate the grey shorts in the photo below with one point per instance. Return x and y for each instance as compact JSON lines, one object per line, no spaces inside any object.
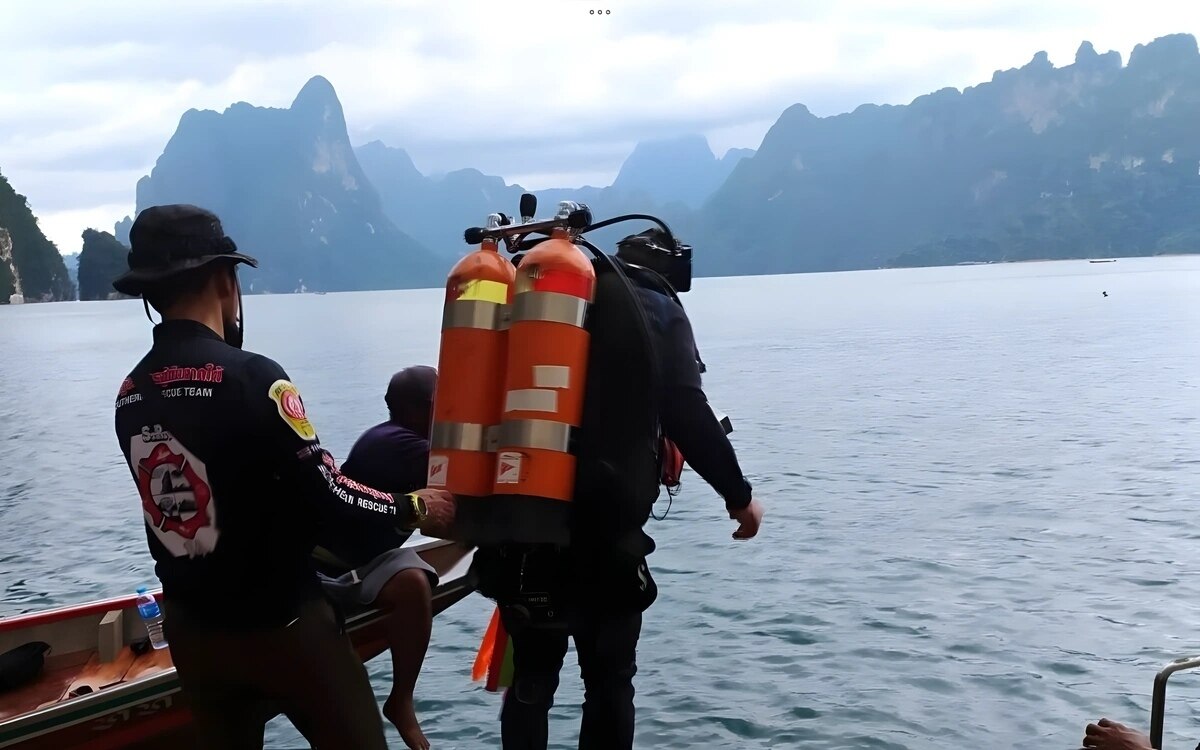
{"x":362,"y":585}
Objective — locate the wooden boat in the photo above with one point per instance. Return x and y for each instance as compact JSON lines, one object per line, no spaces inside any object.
{"x":95,"y":693}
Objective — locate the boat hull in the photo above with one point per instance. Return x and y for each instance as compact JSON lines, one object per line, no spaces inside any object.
{"x":150,"y":711}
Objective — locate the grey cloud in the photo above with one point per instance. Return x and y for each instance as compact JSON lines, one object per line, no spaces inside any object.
{"x":266,"y":29}
{"x":446,"y":43}
{"x":90,"y":158}
{"x":686,"y":18}
{"x":26,"y":119}
{"x":604,"y":142}
{"x":995,"y":16}
{"x":65,"y":190}
{"x":150,"y":64}
{"x":574,"y":150}
{"x":77,"y":149}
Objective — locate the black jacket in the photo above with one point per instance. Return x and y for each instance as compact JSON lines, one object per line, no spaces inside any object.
{"x":232,"y":478}
{"x":686,"y":417}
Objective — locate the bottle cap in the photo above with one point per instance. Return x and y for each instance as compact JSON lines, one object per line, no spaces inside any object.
{"x":141,"y":589}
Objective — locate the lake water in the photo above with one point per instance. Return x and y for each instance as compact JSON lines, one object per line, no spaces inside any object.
{"x":981,"y":487}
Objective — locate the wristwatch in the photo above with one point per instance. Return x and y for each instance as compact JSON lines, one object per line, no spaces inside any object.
{"x":419,"y":510}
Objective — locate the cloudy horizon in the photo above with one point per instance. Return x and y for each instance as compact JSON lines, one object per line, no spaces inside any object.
{"x":545,"y":96}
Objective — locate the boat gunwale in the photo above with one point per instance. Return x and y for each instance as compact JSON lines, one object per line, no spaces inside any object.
{"x":129,"y":601}
{"x":64,"y":714}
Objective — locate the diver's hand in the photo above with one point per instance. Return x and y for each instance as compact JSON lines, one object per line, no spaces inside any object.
{"x":749,"y":519}
{"x":440,"y":505}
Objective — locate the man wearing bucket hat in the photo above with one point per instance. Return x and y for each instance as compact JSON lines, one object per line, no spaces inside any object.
{"x":234,"y":485}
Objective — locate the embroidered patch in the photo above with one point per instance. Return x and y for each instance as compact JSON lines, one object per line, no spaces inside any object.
{"x":291,"y":408}
{"x":177,"y":498}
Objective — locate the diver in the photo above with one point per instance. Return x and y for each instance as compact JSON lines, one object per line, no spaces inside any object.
{"x":597,"y":589}
{"x":249,"y":628}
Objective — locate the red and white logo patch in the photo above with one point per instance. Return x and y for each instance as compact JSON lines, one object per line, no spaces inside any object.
{"x":291,"y":408}
{"x":177,"y":499}
{"x":292,"y":405}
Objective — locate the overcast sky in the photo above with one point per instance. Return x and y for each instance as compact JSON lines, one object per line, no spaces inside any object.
{"x":541,"y":92}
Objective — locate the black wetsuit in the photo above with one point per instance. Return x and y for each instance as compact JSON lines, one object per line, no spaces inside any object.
{"x":686,"y":417}
{"x":606,"y":634}
{"x":233,"y":485}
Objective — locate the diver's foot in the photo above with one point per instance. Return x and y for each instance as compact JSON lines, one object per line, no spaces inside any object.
{"x":400,"y":711}
{"x":1109,"y":735}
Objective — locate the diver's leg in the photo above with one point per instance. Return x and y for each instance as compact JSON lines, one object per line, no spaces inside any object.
{"x":607,"y":647}
{"x":537,"y":660}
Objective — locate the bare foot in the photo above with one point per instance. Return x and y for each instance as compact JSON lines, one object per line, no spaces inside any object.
{"x":1109,"y":735}
{"x":401,"y":713}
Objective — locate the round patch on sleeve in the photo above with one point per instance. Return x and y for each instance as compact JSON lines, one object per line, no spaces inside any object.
{"x":287,"y":398}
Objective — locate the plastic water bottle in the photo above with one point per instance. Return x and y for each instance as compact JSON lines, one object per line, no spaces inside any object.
{"x":152,"y":616}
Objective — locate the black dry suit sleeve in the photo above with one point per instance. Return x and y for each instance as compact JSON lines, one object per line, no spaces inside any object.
{"x":690,"y":423}
{"x":304,"y":465}
{"x":688,"y":420}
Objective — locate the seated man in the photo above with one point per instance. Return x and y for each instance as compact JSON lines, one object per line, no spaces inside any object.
{"x":392,"y":455}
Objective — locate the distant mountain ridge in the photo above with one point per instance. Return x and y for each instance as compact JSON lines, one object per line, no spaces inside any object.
{"x":289,"y":190}
{"x":1041,"y":162}
{"x":670,"y":177}
{"x":1093,"y":158}
{"x":680,"y":169}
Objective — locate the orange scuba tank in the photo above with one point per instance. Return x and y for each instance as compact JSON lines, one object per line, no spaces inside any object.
{"x":543,"y":393}
{"x":471,"y":365}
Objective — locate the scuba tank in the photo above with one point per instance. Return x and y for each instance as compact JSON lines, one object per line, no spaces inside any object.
{"x":543,"y":392}
{"x":466,"y":405}
{"x":512,"y":372}
{"x":550,"y":378}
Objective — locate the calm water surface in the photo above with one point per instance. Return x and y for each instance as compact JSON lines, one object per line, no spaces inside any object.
{"x":981,"y":487}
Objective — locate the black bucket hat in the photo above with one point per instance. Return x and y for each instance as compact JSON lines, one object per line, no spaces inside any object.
{"x":167,"y":240}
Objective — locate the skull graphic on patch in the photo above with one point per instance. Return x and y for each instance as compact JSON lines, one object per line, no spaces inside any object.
{"x":177,"y":500}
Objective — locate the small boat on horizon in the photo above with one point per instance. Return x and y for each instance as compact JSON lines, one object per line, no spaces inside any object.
{"x":1110,"y":260}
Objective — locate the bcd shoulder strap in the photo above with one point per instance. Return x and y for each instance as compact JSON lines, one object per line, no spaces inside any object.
{"x":648,"y":278}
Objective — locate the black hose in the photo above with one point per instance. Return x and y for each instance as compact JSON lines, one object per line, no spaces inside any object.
{"x":600,"y":254}
{"x":524,"y":245}
{"x":631,"y":217}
